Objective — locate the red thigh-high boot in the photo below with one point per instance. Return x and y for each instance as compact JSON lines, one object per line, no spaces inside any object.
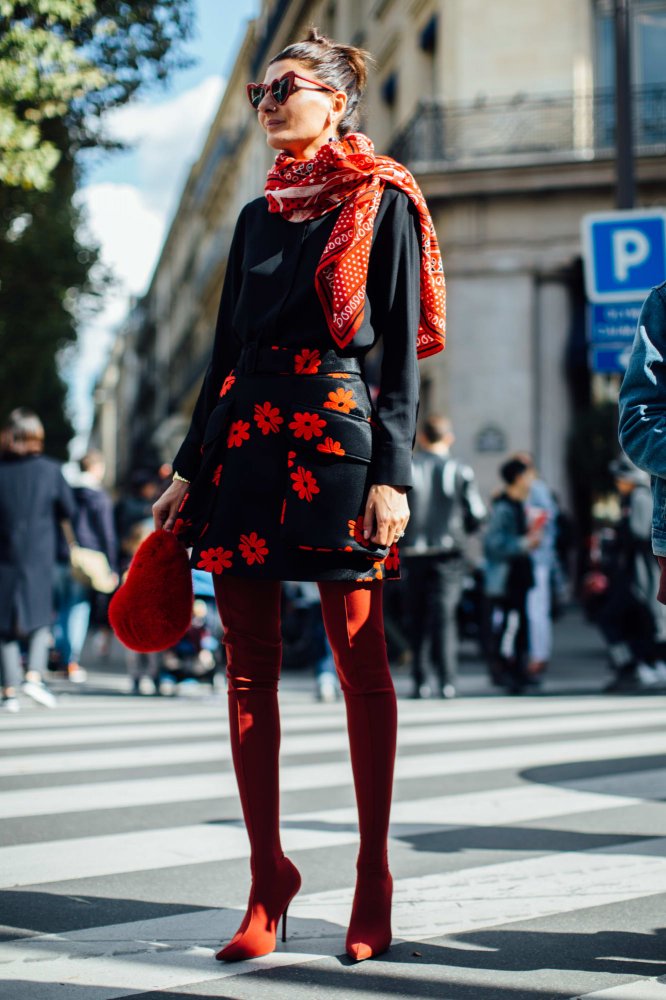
{"x":250,"y":613}
{"x":355,"y":628}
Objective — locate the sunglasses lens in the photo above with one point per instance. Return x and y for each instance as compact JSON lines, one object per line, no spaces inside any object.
{"x":281,"y":89}
{"x":256,"y":95}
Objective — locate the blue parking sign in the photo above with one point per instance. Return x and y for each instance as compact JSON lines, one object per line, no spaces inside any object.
{"x":624,"y":253}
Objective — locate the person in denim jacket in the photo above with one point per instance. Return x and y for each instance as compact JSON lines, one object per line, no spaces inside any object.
{"x":643,"y":407}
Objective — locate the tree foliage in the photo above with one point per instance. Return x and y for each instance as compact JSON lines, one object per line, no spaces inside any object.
{"x":73,"y":60}
{"x":63,"y":63}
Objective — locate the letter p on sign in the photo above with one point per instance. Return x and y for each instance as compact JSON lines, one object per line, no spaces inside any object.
{"x":630,"y":248}
{"x":624,"y":254}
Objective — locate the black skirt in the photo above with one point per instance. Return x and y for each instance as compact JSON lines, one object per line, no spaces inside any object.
{"x":285,"y":473}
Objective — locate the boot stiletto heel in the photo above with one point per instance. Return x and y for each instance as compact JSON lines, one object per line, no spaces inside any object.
{"x":258,"y":932}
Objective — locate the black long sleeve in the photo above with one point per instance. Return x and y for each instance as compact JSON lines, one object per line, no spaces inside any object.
{"x":226,"y":348}
{"x":394,"y":295}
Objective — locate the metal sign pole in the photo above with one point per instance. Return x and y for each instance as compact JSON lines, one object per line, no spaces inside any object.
{"x":624,"y":141}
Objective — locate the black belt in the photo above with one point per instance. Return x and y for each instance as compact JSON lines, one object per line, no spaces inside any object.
{"x":255,"y":359}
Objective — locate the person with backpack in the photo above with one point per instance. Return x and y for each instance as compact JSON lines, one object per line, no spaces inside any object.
{"x":445,"y":507}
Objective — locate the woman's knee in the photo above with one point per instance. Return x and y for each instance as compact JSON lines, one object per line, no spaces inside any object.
{"x":250,"y":615}
{"x":353,"y":617}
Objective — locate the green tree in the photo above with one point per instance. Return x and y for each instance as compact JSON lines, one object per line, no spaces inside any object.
{"x":63,"y":63}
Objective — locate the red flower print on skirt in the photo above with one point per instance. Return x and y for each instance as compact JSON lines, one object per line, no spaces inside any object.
{"x":253,"y":549}
{"x":267,"y":417}
{"x":305,"y":483}
{"x":227,"y":384}
{"x":356,"y":531}
{"x":291,"y":455}
{"x":307,"y":362}
{"x":341,"y":400}
{"x":216,"y":476}
{"x":215,"y":560}
{"x":392,"y":560}
{"x":238,"y":432}
{"x":331,"y":447}
{"x":307,"y":425}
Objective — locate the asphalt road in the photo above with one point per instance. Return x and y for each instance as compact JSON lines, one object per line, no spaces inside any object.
{"x":528,"y":845}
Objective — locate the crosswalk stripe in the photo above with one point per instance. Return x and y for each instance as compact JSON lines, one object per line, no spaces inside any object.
{"x":85,"y":857}
{"x":314,"y":743}
{"x":47,"y":728}
{"x":189,"y":788}
{"x":642,"y":989}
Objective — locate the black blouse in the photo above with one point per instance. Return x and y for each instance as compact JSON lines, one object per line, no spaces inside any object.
{"x":269,"y":297}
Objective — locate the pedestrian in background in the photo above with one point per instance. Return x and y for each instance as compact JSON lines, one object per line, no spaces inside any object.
{"x":631,"y":619}
{"x":94,"y":528}
{"x":34,"y":498}
{"x":542,"y":511}
{"x":295,"y":474}
{"x":445,"y":508}
{"x":509,"y":575}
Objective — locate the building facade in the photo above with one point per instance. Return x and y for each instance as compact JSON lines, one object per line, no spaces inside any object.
{"x":505,"y":114}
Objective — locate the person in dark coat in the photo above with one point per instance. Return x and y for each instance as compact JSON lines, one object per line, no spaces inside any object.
{"x":34,"y":498}
{"x":94,"y":528}
{"x":445,"y":507}
{"x":294,"y":473}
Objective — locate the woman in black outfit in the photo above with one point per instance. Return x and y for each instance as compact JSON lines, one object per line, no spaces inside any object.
{"x":288,"y":472}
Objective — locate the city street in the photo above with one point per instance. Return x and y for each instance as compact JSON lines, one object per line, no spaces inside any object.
{"x":528,"y":844}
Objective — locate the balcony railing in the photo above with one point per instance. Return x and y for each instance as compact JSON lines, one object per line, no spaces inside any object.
{"x":527,"y":130}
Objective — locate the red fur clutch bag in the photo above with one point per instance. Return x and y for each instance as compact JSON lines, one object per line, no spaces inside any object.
{"x":152,"y":610}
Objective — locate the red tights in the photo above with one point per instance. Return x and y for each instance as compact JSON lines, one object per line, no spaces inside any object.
{"x":250,"y":613}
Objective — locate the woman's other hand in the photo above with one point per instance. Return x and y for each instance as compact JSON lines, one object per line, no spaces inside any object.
{"x":386,"y":514}
{"x":165,"y":510}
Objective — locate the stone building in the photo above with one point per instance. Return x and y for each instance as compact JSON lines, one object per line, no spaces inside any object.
{"x":504,"y":113}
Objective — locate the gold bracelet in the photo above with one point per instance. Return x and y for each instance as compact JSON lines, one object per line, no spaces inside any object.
{"x":180,"y":479}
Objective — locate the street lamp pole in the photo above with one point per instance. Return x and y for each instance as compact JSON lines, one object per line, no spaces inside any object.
{"x":624,"y":140}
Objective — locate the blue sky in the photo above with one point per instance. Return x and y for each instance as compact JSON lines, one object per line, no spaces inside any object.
{"x":129,"y":198}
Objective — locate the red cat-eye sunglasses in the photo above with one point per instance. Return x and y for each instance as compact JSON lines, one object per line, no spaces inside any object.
{"x":282,"y":88}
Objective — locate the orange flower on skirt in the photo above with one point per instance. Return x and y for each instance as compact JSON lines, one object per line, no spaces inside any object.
{"x":305,"y":483}
{"x":216,"y":476}
{"x":215,"y":560}
{"x":356,"y":531}
{"x":239,"y":432}
{"x":267,"y":417}
{"x":331,"y":447}
{"x":341,"y":400}
{"x":307,"y":362}
{"x":307,"y":425}
{"x":227,"y":384}
{"x":253,"y":548}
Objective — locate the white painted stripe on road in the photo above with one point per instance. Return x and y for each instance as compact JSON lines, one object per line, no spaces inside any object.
{"x":169,"y":753}
{"x":432,"y":906}
{"x":103,"y":963}
{"x":89,"y":857}
{"x":122,"y":724}
{"x":641,"y":989}
{"x":189,"y":788}
{"x":170,"y":952}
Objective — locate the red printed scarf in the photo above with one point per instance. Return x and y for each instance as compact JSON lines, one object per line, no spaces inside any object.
{"x":348,"y":171}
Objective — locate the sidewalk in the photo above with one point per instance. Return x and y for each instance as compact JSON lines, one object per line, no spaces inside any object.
{"x":579,"y":666}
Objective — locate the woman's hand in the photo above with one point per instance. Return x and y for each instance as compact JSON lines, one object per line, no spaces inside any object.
{"x":386,"y":508}
{"x":165,"y":510}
